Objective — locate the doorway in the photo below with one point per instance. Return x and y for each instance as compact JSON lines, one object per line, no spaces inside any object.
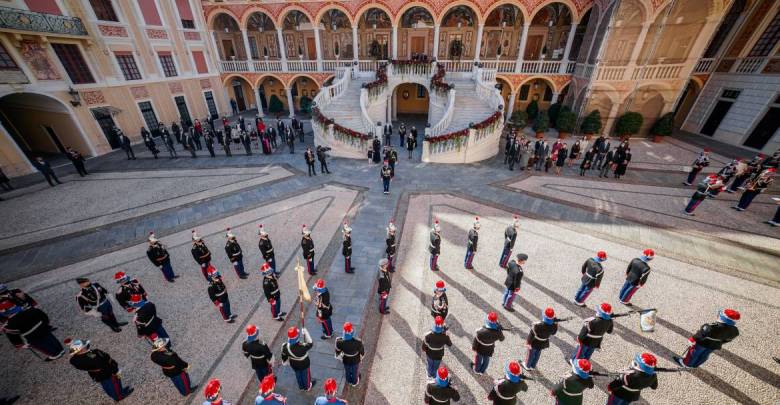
{"x":211,"y":105}
{"x":311,"y":49}
{"x":184,"y":113}
{"x":726,"y":100}
{"x":239,"y":93}
{"x":261,"y":97}
{"x":106,"y":123}
{"x":533,"y":47}
{"x":765,"y":129}
{"x":417,"y":45}
{"x":228,"y":48}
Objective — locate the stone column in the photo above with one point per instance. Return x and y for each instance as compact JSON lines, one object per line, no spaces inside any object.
{"x":355,"y":54}
{"x":282,"y":49}
{"x":640,"y":42}
{"x":247,"y":49}
{"x":511,"y":109}
{"x":567,"y":51}
{"x":555,"y":98}
{"x":521,"y":49}
{"x":395,"y":42}
{"x":436,"y":29}
{"x":479,"y":41}
{"x":318,"y":48}
{"x":290,"y":101}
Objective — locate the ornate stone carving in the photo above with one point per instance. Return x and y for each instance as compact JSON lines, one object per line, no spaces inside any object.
{"x":205,"y":83}
{"x":38,"y":60}
{"x":192,"y":35}
{"x":156,"y":34}
{"x":93,"y":97}
{"x":112,"y":31}
{"x":175,"y":87}
{"x":139,"y":92}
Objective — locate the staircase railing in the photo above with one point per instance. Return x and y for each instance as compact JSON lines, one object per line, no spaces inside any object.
{"x":328,"y":132}
{"x":446,"y":118}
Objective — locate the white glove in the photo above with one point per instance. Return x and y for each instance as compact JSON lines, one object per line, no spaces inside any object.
{"x":306,"y":336}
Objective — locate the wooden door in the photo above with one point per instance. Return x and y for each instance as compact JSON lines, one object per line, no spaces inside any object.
{"x":228,"y":49}
{"x":417,"y":45}
{"x":311,"y":49}
{"x":533,"y":47}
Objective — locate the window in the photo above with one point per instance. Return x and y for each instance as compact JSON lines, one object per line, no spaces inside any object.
{"x":730,"y":94}
{"x":149,"y":116}
{"x":524,"y":92}
{"x":184,"y":113}
{"x":768,"y":39}
{"x":188,"y":24}
{"x":724,"y":29}
{"x":74,"y":63}
{"x":128,"y":66}
{"x":547,"y":94}
{"x":44,"y":6}
{"x":200,"y":62}
{"x":421,"y":91}
{"x":150,"y":13}
{"x":169,"y":67}
{"x":104,"y":10}
{"x":212,"y":106}
{"x":185,"y":13}
{"x":6,"y":62}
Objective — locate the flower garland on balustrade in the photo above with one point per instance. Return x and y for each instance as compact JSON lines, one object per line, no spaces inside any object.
{"x":341,"y":133}
{"x":377,"y":86}
{"x":437,"y":82}
{"x":408,"y":67}
{"x":457,"y":138}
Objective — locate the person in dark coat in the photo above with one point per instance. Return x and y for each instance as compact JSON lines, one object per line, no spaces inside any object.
{"x":235,"y":254}
{"x":176,"y":131}
{"x":158,"y":255}
{"x":576,"y":149}
{"x":388,"y":131}
{"x":592,"y":273}
{"x":592,"y":332}
{"x":560,"y":159}
{"x":246,"y":142}
{"x":433,"y":346}
{"x":189,"y":143}
{"x":349,"y":349}
{"x":607,"y":164}
{"x":484,"y":343}
{"x":172,"y":366}
{"x":45,"y":168}
{"x":569,"y":390}
{"x":346,"y":248}
{"x":266,"y":248}
{"x":147,"y":324}
{"x":219,"y":296}
{"x":383,"y":289}
{"x":539,"y":338}
{"x":307,"y":249}
{"x":93,"y":300}
{"x":411,"y":144}
{"x":622,"y":161}
{"x":505,"y":390}
{"x":258,"y":352}
{"x":125,"y":143}
{"x":28,"y":326}
{"x":208,"y":138}
{"x":78,"y":161}
{"x":709,"y":338}
{"x":322,"y":156}
{"x":628,"y":387}
{"x":472,"y":245}
{"x":376,"y":147}
{"x":100,"y":366}
{"x":636,"y":276}
{"x":324,"y":309}
{"x":510,"y":236}
{"x":402,"y":134}
{"x":289,"y":139}
{"x":413,"y":131}
{"x":434,"y":247}
{"x":514,"y":278}
{"x":440,"y":306}
{"x":201,"y":254}
{"x":587,"y":161}
{"x":271,"y":292}
{"x":754,"y":187}
{"x":512,"y":154}
{"x":227,"y":141}
{"x":127,"y":288}
{"x":296,"y":353}
{"x":167,"y":140}
{"x":390,"y":246}
{"x":440,"y":391}
{"x":149,"y":142}
{"x":310,"y":159}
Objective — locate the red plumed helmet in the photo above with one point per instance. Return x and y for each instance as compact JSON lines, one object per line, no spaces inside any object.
{"x":268,"y":384}
{"x":584,"y":365}
{"x":443,"y":373}
{"x":602,"y":254}
{"x":292,"y":333}
{"x":330,"y":386}
{"x":440,"y":284}
{"x":732,"y":314}
{"x":514,"y":367}
{"x":649,"y":359}
{"x":649,"y":252}
{"x":492,"y":317}
{"x":119,"y":275}
{"x":211,"y":392}
{"x":606,"y":308}
{"x":320,"y":283}
{"x":549,"y":312}
{"x":265,"y":266}
{"x":348,"y":327}
{"x":136,"y":298}
{"x":438,"y":320}
{"x":251,"y":330}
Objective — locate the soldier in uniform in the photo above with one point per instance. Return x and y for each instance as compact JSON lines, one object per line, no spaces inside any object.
{"x":100,"y":366}
{"x":324,"y":309}
{"x":710,"y":337}
{"x":390,"y":246}
{"x":330,"y":397}
{"x":592,"y":273}
{"x":539,"y":338}
{"x":505,"y":390}
{"x":385,"y":283}
{"x":93,"y":300}
{"x":350,"y":350}
{"x":201,"y":254}
{"x":484,"y":343}
{"x":159,"y":257}
{"x":219,"y":296}
{"x":569,"y":390}
{"x":346,"y":248}
{"x":627,"y":388}
{"x":18,"y":297}
{"x":172,"y":365}
{"x":29,"y":328}
{"x":127,"y":287}
{"x":267,"y":395}
{"x":636,"y":276}
{"x":296,"y":352}
{"x":213,"y":393}
{"x":510,"y":235}
{"x":258,"y":353}
{"x":471,"y":248}
{"x":439,"y":302}
{"x":592,"y":332}
{"x":702,"y":161}
{"x":307,"y":247}
{"x":435,"y":245}
{"x":440,"y":391}
{"x":386,"y":174}
{"x":514,"y":278}
{"x":271,"y":291}
{"x":433,"y":346}
{"x":267,"y":248}
{"x":147,"y":323}
{"x":235,"y":255}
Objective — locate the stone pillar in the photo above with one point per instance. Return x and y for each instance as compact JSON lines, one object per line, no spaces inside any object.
{"x":613,"y":112}
{"x":395,"y":42}
{"x":355,"y":54}
{"x":247,"y":49}
{"x":282,"y":49}
{"x":511,"y":109}
{"x":436,"y":29}
{"x":521,"y":49}
{"x":640,"y":42}
{"x":318,"y":48}
{"x":567,"y":51}
{"x":555,"y":98}
{"x":479,"y":41}
{"x":290,"y":101}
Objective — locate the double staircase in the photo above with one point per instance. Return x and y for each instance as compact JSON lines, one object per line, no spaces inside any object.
{"x":466,"y":120}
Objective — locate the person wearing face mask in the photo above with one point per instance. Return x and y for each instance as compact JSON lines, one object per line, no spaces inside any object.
{"x":636,"y":276}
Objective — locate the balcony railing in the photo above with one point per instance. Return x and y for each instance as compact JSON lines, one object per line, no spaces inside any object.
{"x":541,"y":66}
{"x":657,"y":72}
{"x":704,"y":65}
{"x":302,"y":65}
{"x":23,"y":20}
{"x":750,"y":65}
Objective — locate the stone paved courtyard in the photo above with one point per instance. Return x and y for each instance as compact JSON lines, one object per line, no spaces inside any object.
{"x":97,"y":225}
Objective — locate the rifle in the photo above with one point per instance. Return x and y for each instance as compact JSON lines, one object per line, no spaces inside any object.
{"x":556,"y":320}
{"x":619,"y":373}
{"x":631,"y":312}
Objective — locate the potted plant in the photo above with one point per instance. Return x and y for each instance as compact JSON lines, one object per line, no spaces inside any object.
{"x":567,"y":123}
{"x":628,"y":124}
{"x":591,"y":124}
{"x":541,"y":124}
{"x":662,"y":127}
{"x":275,"y":105}
{"x":519,"y":119}
{"x":533,"y":110}
{"x":553,"y":113}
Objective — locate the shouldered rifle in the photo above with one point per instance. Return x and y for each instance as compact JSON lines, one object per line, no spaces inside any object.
{"x":633,"y":311}
{"x":507,"y":328}
{"x":556,"y":320}
{"x":627,"y":371}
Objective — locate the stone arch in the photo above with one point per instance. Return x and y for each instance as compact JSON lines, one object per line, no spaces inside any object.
{"x":651,"y":101}
{"x":252,"y":11}
{"x":213,"y":17}
{"x":225,"y":81}
{"x":526,"y":16}
{"x":368,"y":6}
{"x":535,"y":92}
{"x":569,"y":5}
{"x":368,"y":16}
{"x":687,"y":100}
{"x":478,"y":17}
{"x":675,"y":41}
{"x":628,"y":22}
{"x":289,"y":9}
{"x":548,"y":31}
{"x":406,"y":7}
{"x":336,"y":34}
{"x":265,"y":76}
{"x":229,"y":41}
{"x":458,"y":24}
{"x":335,"y":6}
{"x":303,"y":88}
{"x":243,"y":94}
{"x":499,"y":38}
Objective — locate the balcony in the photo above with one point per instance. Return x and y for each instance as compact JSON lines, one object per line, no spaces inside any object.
{"x":23,"y":20}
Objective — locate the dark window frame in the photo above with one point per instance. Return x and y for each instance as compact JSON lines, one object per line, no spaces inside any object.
{"x":768,"y":39}
{"x":168,"y":65}
{"x":128,"y":66}
{"x":7,"y":62}
{"x":73,"y":61}
{"x":104,"y":11}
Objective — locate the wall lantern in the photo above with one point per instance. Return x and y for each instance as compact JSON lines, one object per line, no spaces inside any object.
{"x":75,"y":97}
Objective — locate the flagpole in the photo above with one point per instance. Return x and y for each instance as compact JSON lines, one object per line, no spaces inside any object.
{"x":299,"y":269}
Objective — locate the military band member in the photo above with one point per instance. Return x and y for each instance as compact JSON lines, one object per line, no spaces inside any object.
{"x":510,"y":236}
{"x":754,"y":187}
{"x":127,"y":287}
{"x":271,"y":291}
{"x":267,"y":395}
{"x":385,"y":283}
{"x":592,"y":273}
{"x":439,"y":302}
{"x":440,"y":391}
{"x":17,"y":296}
{"x":159,"y":257}
{"x":471,"y":248}
{"x":702,"y":161}
{"x":147,"y":323}
{"x":100,"y":366}
{"x":505,"y":390}
{"x":636,"y":276}
{"x":330,"y":397}
{"x":201,"y":254}
{"x":628,"y":387}
{"x":433,"y":346}
{"x":435,"y":246}
{"x":484,"y":343}
{"x":29,"y":328}
{"x":539,"y":338}
{"x":213,"y":393}
{"x":258,"y":353}
{"x":390,"y":246}
{"x":593,"y":331}
{"x":324,"y":309}
{"x":710,"y":337}
{"x":93,"y":300}
{"x":307,"y":246}
{"x":569,"y":390}
{"x":235,"y":255}
{"x":267,"y":248}
{"x":513,"y":281}
{"x":351,"y":351}
{"x":296,"y":352}
{"x":219,"y":296}
{"x":173,"y":366}
{"x":346,"y":248}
